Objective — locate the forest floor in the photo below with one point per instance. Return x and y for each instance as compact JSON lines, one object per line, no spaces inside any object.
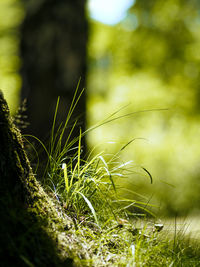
{"x":136,"y":243}
{"x":102,"y":228}
{"x":77,"y":217}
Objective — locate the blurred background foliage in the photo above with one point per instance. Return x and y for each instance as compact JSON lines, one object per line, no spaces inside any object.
{"x":149,"y":60}
{"x":11,"y":16}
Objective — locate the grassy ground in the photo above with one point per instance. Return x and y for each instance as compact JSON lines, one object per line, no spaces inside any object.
{"x":101,"y":227}
{"x":123,"y":244}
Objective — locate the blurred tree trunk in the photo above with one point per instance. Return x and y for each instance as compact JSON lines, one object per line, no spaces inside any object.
{"x":53,"y":50}
{"x":30,"y":223}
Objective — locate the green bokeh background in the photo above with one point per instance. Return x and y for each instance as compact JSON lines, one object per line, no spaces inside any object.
{"x":11,"y":15}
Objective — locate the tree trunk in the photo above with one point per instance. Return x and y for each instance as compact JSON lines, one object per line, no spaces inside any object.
{"x":29,"y":224}
{"x":53,"y":50}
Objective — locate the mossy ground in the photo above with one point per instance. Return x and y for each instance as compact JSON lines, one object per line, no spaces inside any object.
{"x":34,"y":240}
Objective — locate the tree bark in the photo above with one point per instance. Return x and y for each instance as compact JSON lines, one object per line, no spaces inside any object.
{"x":29,"y":224}
{"x":53,"y":50}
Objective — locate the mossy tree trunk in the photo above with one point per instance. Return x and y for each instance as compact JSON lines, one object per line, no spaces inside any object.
{"x":53,"y":51}
{"x":28,"y":216}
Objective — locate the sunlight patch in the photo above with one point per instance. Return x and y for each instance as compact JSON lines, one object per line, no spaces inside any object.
{"x":109,"y":12}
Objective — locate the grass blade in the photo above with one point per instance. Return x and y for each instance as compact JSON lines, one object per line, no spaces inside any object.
{"x":64,"y":167}
{"x":90,"y":206}
{"x":151,"y":179}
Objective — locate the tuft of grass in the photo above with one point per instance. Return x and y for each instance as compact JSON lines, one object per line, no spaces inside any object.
{"x":86,"y":186}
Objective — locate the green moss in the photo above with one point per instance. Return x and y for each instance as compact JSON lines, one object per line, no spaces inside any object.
{"x":30,"y":223}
